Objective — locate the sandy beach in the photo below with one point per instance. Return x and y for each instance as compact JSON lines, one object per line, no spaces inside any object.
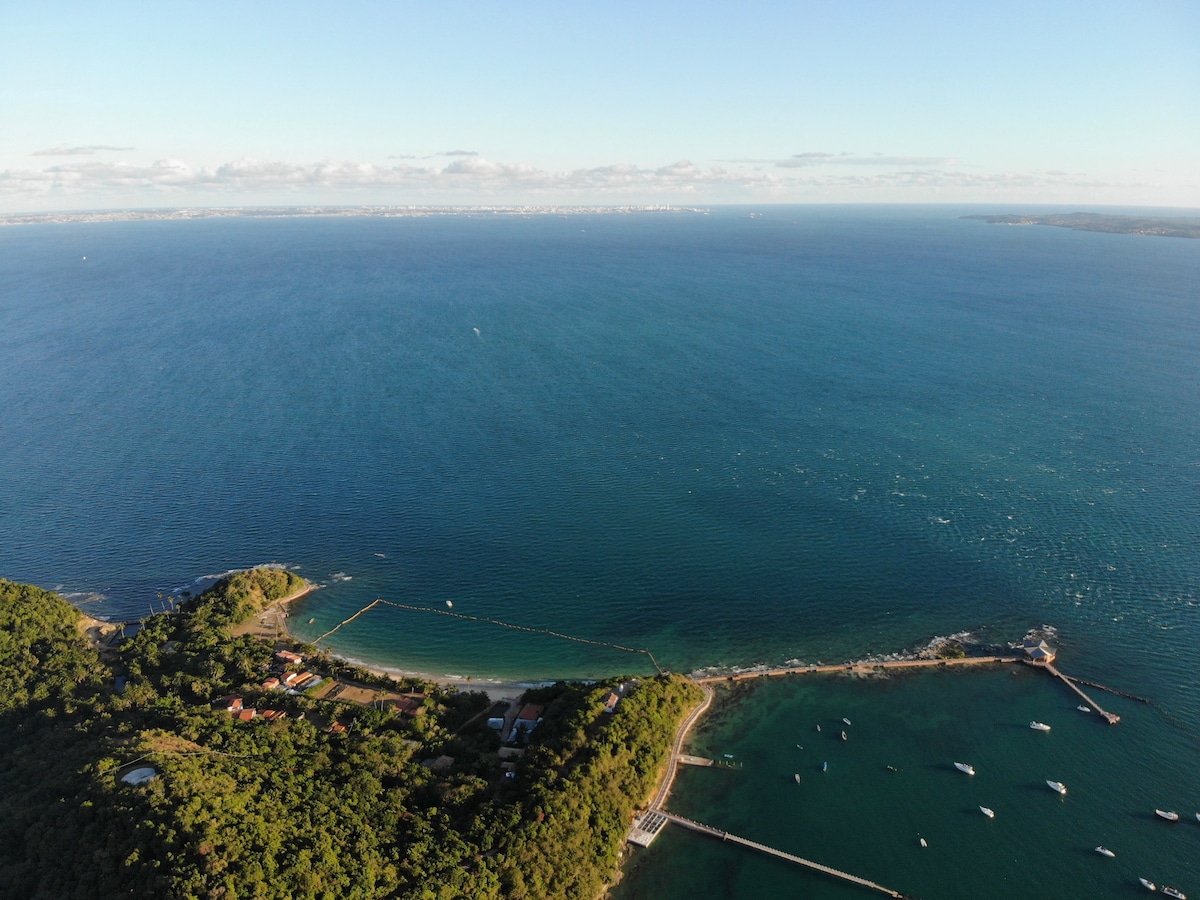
{"x":271,"y":625}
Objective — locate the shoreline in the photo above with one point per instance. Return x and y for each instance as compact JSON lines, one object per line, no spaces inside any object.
{"x":494,"y":688}
{"x":271,"y":624}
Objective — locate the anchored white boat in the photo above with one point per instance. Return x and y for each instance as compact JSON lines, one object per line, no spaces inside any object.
{"x":1167,"y":814}
{"x":1104,"y":851}
{"x":824,"y":767}
{"x":1082,"y":708}
{"x":1174,"y":892}
{"x":923,"y":844}
{"x":844,"y":719}
{"x":844,"y":736}
{"x":797,"y":777}
{"x":1148,"y":885}
{"x":963,"y":767}
{"x":987,"y":812}
{"x":1039,"y":726}
{"x":1057,"y":786}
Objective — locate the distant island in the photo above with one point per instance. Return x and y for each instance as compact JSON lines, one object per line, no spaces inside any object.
{"x":1158,"y":226}
{"x":329,"y":212}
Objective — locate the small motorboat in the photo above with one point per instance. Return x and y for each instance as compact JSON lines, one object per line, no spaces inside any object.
{"x":1167,"y":814}
{"x":1104,"y":851}
{"x":963,"y":767}
{"x":824,"y":767}
{"x":1083,"y":708}
{"x":987,"y":812}
{"x":1039,"y":726}
{"x":1174,"y":892}
{"x":892,"y":769}
{"x":818,"y":728}
{"x":797,"y":777}
{"x":1058,"y":786}
{"x":844,"y":736}
{"x":1148,"y":885}
{"x":923,"y":844}
{"x":844,"y":719}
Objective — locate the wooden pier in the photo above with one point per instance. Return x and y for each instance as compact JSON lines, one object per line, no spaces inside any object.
{"x":1110,"y":718}
{"x":650,"y":823}
{"x":771,"y":851}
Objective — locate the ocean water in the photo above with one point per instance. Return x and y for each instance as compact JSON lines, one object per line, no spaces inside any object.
{"x":812,"y":434}
{"x":862,"y":818}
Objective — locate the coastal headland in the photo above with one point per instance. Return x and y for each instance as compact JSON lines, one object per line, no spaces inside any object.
{"x":1155,"y":226}
{"x":190,"y":760}
{"x":186,"y":736}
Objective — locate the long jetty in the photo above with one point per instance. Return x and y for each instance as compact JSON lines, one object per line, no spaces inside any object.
{"x":771,"y":851}
{"x":1110,"y":718}
{"x":860,"y":667}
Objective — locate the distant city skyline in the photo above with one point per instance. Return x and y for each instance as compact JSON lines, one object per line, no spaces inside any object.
{"x":539,"y":103}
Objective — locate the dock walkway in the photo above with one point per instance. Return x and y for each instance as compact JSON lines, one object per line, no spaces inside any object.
{"x":771,"y":851}
{"x":1110,"y":718}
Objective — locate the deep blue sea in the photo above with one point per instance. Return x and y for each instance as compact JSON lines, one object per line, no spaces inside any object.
{"x":815,"y":433}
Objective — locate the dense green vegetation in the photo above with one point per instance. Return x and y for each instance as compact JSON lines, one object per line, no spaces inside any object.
{"x":286,"y":808}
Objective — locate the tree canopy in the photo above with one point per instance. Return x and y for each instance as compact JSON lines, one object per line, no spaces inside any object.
{"x":289,"y":807}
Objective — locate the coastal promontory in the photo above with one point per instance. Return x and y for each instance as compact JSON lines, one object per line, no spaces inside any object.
{"x":184,"y":760}
{"x":1157,"y":226}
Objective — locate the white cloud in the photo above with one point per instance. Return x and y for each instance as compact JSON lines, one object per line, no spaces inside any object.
{"x":78,"y":151}
{"x":475,"y":179}
{"x":802,"y":160}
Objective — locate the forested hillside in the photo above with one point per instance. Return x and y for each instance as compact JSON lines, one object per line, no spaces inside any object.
{"x":294,"y":806}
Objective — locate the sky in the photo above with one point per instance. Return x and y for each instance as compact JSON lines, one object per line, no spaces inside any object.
{"x":120,"y":105}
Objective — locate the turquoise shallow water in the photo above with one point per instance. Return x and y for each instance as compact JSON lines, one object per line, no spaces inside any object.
{"x":815,"y":434}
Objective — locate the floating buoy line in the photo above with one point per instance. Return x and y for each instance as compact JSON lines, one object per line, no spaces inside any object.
{"x":489,"y":621}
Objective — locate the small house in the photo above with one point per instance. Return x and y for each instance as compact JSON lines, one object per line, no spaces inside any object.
{"x":231,"y":703}
{"x":288,"y":658}
{"x":410,"y":707}
{"x":1039,"y":652}
{"x":527,"y":720}
{"x":610,"y":702}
